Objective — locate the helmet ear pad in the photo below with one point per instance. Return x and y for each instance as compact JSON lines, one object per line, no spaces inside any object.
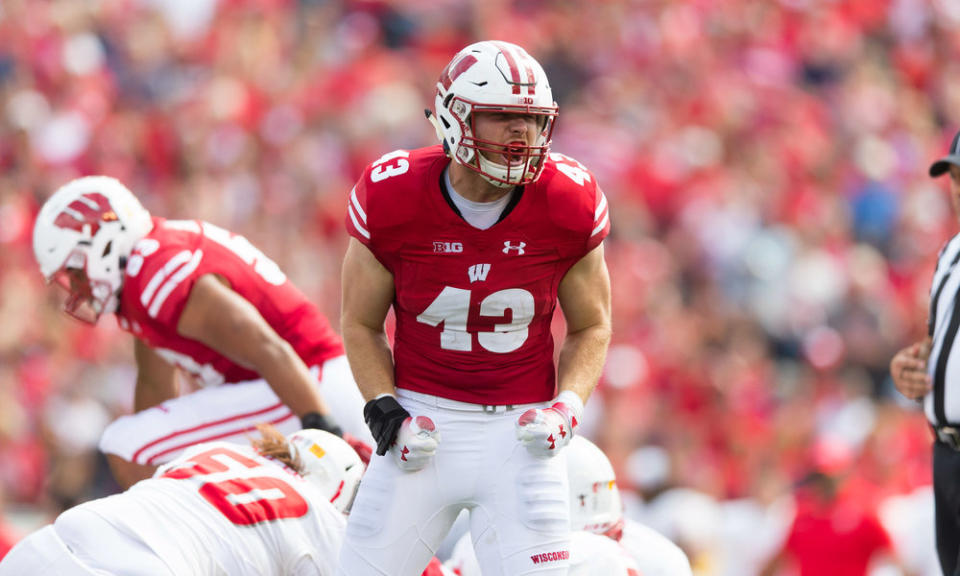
{"x":494,"y":76}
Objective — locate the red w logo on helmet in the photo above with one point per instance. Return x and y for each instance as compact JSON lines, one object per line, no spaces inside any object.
{"x":453,"y":71}
{"x":88,"y":210}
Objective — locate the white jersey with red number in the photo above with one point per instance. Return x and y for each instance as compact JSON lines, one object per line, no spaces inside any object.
{"x":223,"y":509}
{"x":161,"y":272}
{"x":474,"y":307}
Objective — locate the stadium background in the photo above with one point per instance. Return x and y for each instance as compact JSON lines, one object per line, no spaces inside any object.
{"x":774,"y":229}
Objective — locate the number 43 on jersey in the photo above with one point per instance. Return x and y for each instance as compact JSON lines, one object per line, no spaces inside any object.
{"x":452,"y":309}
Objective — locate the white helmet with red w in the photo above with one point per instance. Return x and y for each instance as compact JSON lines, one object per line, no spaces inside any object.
{"x":595,"y":504}
{"x":494,"y":76}
{"x":82,"y":238}
{"x":330,"y":464}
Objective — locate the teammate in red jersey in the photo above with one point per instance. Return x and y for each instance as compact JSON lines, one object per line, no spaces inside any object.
{"x":474,"y":243}
{"x":200,"y":299}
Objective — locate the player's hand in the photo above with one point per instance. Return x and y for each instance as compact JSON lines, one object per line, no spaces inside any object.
{"x":416,"y":443}
{"x":544,"y":431}
{"x":384,"y":416}
{"x":909,"y":370}
{"x":319,"y":421}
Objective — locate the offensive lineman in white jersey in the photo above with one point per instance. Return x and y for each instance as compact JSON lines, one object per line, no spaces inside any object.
{"x":603,"y":541}
{"x":276,"y":508}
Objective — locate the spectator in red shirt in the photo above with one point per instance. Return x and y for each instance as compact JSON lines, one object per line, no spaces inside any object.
{"x":832,"y":533}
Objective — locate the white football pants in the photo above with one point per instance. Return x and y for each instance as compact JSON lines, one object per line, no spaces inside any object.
{"x":228,"y":412}
{"x":81,"y":543}
{"x":518,"y":504}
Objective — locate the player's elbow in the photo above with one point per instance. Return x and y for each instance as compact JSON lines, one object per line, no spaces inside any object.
{"x":599,"y":329}
{"x":354,"y":328}
{"x":275,"y":351}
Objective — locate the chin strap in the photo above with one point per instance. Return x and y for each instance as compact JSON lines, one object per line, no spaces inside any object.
{"x":436,"y":126}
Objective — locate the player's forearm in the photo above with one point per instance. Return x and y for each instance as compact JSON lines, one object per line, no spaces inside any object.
{"x":581,"y":360}
{"x":290,"y":378}
{"x":370,"y":359}
{"x":148,"y":394}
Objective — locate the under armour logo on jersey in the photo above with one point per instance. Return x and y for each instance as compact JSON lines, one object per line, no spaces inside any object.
{"x":86,"y":213}
{"x":478,"y":272}
{"x":447,"y":247}
{"x":507,"y":247}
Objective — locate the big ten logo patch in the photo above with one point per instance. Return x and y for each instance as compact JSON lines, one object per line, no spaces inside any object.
{"x":447,"y":247}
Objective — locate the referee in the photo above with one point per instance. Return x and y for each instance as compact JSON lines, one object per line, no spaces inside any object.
{"x":929,"y":371}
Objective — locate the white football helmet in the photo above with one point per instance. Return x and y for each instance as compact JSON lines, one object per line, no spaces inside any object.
{"x":494,"y":76}
{"x":595,"y":504}
{"x":82,"y":238}
{"x":330,"y":464}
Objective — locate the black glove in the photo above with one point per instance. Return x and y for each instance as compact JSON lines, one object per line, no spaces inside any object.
{"x":319,"y":421}
{"x":384,"y":417}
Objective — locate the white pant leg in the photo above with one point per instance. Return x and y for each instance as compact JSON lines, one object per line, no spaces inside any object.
{"x":43,"y":552}
{"x":103,"y":547}
{"x":340,"y":392}
{"x":518,"y":504}
{"x":521,"y":524}
{"x":229,"y":412}
{"x":399,"y":518}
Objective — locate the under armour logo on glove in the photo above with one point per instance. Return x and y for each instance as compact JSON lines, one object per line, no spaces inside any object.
{"x":544,"y":431}
{"x":416,"y":443}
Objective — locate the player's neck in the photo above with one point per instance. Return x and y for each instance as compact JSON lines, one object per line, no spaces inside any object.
{"x":473,"y":186}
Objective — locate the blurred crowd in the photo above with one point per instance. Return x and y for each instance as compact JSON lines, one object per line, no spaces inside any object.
{"x":774,"y":229}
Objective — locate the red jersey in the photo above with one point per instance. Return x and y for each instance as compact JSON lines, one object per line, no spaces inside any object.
{"x":473,"y":307}
{"x":837,"y":541}
{"x":161,"y":272}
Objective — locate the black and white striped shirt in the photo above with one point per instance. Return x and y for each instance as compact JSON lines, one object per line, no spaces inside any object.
{"x":942,"y":404}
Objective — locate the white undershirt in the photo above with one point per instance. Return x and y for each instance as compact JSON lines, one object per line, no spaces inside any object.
{"x":480,"y":215}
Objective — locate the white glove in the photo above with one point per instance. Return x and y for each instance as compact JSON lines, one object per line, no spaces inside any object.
{"x":416,"y":443}
{"x":544,"y":431}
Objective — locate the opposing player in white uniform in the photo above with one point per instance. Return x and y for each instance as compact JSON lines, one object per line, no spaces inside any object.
{"x":603,"y":541}
{"x":276,"y":508}
{"x":200,"y":300}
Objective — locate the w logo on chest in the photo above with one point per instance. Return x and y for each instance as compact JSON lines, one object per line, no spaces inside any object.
{"x":478,"y":272}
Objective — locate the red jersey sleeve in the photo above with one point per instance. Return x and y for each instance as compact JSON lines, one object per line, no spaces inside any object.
{"x":601,"y":220}
{"x":577,"y":205}
{"x":357,"y":225}
{"x":159,"y":280}
{"x":380,"y":203}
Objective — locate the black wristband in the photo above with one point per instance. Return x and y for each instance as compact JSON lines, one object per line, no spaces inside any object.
{"x":320,"y":421}
{"x":384,"y":416}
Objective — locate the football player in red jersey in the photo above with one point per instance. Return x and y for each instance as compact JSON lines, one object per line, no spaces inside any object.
{"x":200,"y":299}
{"x":473,"y":243}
